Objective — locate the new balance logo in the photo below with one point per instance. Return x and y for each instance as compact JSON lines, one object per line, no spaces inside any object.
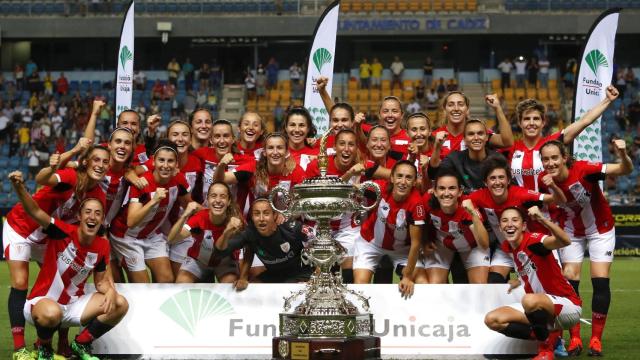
{"x":609,"y":253}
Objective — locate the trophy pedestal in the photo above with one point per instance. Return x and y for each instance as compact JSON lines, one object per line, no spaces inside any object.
{"x":349,"y":348}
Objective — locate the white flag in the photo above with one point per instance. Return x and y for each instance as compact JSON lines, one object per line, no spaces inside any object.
{"x":321,"y":58}
{"x":594,"y":75}
{"x":124,"y":77}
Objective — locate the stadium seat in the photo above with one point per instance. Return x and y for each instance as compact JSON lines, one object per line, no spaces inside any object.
{"x":392,"y":6}
{"x":449,"y":5}
{"x":460,"y":5}
{"x":425,"y":5}
{"x":472,"y":5}
{"x":403,"y":5}
{"x":356,"y":6}
{"x":352,"y":96}
{"x":367,"y":6}
{"x":363,"y":95}
{"x":379,"y":6}
{"x":414,"y":6}
{"x":37,"y":8}
{"x":437,"y":5}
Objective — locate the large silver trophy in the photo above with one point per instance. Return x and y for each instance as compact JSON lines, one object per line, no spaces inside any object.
{"x":325,"y":321}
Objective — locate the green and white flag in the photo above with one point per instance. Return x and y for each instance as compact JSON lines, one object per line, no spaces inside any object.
{"x":595,"y":72}
{"x":124,"y":76}
{"x":321,"y":59}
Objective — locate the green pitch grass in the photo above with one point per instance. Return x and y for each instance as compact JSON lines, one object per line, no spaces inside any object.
{"x":620,"y":336}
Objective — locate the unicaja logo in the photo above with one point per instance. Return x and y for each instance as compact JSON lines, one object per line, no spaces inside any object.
{"x":188,"y":307}
{"x":125,"y":55}
{"x":595,"y":59}
{"x":320,"y":57}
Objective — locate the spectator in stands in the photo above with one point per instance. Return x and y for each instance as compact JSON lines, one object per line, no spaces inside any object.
{"x":14,"y":146}
{"x":552,"y":120}
{"x":48,"y":84}
{"x":420,"y":91}
{"x":62,"y":85}
{"x":261,"y":81}
{"x":139,"y":80}
{"x":27,"y":115}
{"x":295,"y":74}
{"x":188,"y":71}
{"x":630,"y":78}
{"x":33,"y":161}
{"x":24,"y":135}
{"x":201,"y":98}
{"x":173,"y":70}
{"x":106,"y":114}
{"x":543,"y":72}
{"x":215,"y":75}
{"x":569,"y":76}
{"x":2,"y":82}
{"x":505,"y":73}
{"x":397,"y":69}
{"x":427,"y":72}
{"x":365,"y":74}
{"x":203,"y":75}
{"x":621,"y":83}
{"x":634,"y":113}
{"x":532,"y":72}
{"x":621,"y":116}
{"x":168,"y":91}
{"x":452,"y":85}
{"x":442,"y":87}
{"x":521,"y":70}
{"x":154,"y":108}
{"x":5,"y":127}
{"x":33,"y":101}
{"x":250,"y":84}
{"x":432,"y":99}
{"x":189,"y":102}
{"x":376,"y":73}
{"x":272,"y":73}
{"x":18,"y":74}
{"x":30,"y":68}
{"x":34,"y":83}
{"x":157,"y":91}
{"x":413,"y":107}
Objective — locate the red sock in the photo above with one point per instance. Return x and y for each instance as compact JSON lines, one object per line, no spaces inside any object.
{"x":18,"y":337}
{"x":597,"y":324}
{"x":84,"y":337}
{"x":63,"y":336}
{"x":574,"y":331}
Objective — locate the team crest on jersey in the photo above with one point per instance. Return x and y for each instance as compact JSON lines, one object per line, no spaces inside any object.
{"x":420,"y":210}
{"x":285,"y":247}
{"x":143,"y":157}
{"x":401,"y":219}
{"x":91,"y":258}
{"x":518,"y":155}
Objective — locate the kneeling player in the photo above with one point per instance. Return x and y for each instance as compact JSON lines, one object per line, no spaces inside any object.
{"x":550,"y":302}
{"x":58,"y":298}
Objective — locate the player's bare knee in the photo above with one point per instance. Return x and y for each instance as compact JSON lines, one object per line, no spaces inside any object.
{"x":531,"y":302}
{"x":571,"y":273}
{"x":492,"y":321}
{"x":49,"y":315}
{"x":122,"y":305}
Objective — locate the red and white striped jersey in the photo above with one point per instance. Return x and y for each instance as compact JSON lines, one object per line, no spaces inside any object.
{"x":256,"y":153}
{"x":586,"y":210}
{"x":305,"y":155}
{"x":176,"y":187}
{"x":540,"y":272}
{"x":517,"y":196}
{"x":453,"y":142}
{"x":387,"y":226}
{"x":68,"y":264}
{"x":452,"y":230}
{"x":208,"y":163}
{"x":399,"y":141}
{"x":204,"y":234}
{"x":59,"y":201}
{"x":139,"y":155}
{"x":115,"y":187}
{"x":526,"y":164}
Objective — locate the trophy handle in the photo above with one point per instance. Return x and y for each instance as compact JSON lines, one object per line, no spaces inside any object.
{"x":368,"y":185}
{"x":287,"y":200}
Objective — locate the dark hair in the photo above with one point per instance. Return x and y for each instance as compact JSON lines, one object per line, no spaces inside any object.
{"x":378,"y":126}
{"x":474,"y":121}
{"x":516,"y":208}
{"x":298,"y":110}
{"x":443,"y":172}
{"x":450,"y":93}
{"x":345,"y":106}
{"x":176,"y":122}
{"x":395,"y":167}
{"x":193,"y":113}
{"x":563,"y":150}
{"x":166,"y":144}
{"x":530,"y":105}
{"x":418,"y":115}
{"x":346,"y":131}
{"x":493,"y":162}
{"x":392,"y":98}
{"x":82,"y":182}
{"x":233,"y":210}
{"x":129,"y":111}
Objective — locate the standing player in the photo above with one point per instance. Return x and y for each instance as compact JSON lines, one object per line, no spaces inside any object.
{"x":58,"y":297}
{"x":201,"y":123}
{"x":300,"y":131}
{"x":420,"y":150}
{"x":589,"y":223}
{"x":390,"y":116}
{"x":251,"y":129}
{"x":549,"y":302}
{"x":524,"y":155}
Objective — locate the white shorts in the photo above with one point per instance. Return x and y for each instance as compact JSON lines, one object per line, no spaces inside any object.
{"x":17,"y":248}
{"x":133,"y":252}
{"x":347,"y":238}
{"x":178,"y":250}
{"x":71,"y":313}
{"x":500,"y":258}
{"x":367,"y":255}
{"x":442,"y":257}
{"x":601,"y":247}
{"x":567,"y":313}
{"x":205,"y":273}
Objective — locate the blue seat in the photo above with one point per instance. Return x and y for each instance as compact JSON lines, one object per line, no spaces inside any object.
{"x":37,"y":8}
{"x":96,"y":86}
{"x":195,"y":7}
{"x":251,"y":7}
{"x":161,"y":8}
{"x":171,"y":7}
{"x":182,"y":8}
{"x":5,"y":8}
{"x":74,"y":85}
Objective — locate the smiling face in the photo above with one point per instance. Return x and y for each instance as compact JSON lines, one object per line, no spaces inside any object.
{"x":475,"y":136}
{"x":456,"y":109}
{"x":378,"y":143}
{"x":97,"y":163}
{"x":130,"y":120}
{"x":222,"y":139}
{"x":418,"y":130}
{"x":218,"y":199}
{"x":447,"y":191}
{"x":165,"y":162}
{"x":553,"y":162}
{"x":391,"y":115}
{"x":121,"y":145}
{"x":202,"y":125}
{"x":275,"y":149}
{"x":250,"y":128}
{"x":90,"y":217}
{"x":497,"y":182}
{"x":346,"y":150}
{"x":403,"y":178}
{"x":340,"y":119}
{"x":532,"y":124}
{"x":297,"y":130}
{"x":180,"y":134}
{"x":512,"y":225}
{"x":263,"y":218}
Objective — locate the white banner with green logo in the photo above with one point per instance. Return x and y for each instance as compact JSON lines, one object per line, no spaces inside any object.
{"x":198,"y":321}
{"x":594,"y":75}
{"x":321,"y":59}
{"x":124,"y":77}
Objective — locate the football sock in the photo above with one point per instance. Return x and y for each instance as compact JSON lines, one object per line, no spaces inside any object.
{"x":496,"y":278}
{"x":599,"y":305}
{"x":95,"y":328}
{"x":574,"y":331}
{"x":347,"y":276}
{"x":538,"y":320}
{"x":45,"y":333}
{"x":517,"y":330}
{"x":17,"y":298}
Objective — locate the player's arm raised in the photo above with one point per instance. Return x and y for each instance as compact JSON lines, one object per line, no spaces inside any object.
{"x":625,"y":166}
{"x":137,"y":212}
{"x":572,"y":131}
{"x":558,"y":237}
{"x":30,"y":206}
{"x":505,"y":138}
{"x":178,"y":230}
{"x":46,"y":176}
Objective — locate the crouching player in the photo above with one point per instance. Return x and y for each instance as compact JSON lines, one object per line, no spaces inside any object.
{"x":550,"y":303}
{"x":58,"y":297}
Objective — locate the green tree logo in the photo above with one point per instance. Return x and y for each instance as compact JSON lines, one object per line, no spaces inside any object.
{"x":320,"y":57}
{"x":595,"y":59}
{"x":125,"y":55}
{"x":188,"y":307}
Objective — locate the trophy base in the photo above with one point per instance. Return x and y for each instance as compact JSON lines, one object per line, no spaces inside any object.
{"x":349,"y":348}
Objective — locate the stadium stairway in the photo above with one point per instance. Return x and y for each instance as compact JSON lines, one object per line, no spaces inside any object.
{"x":233,"y":102}
{"x":476,"y":92}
